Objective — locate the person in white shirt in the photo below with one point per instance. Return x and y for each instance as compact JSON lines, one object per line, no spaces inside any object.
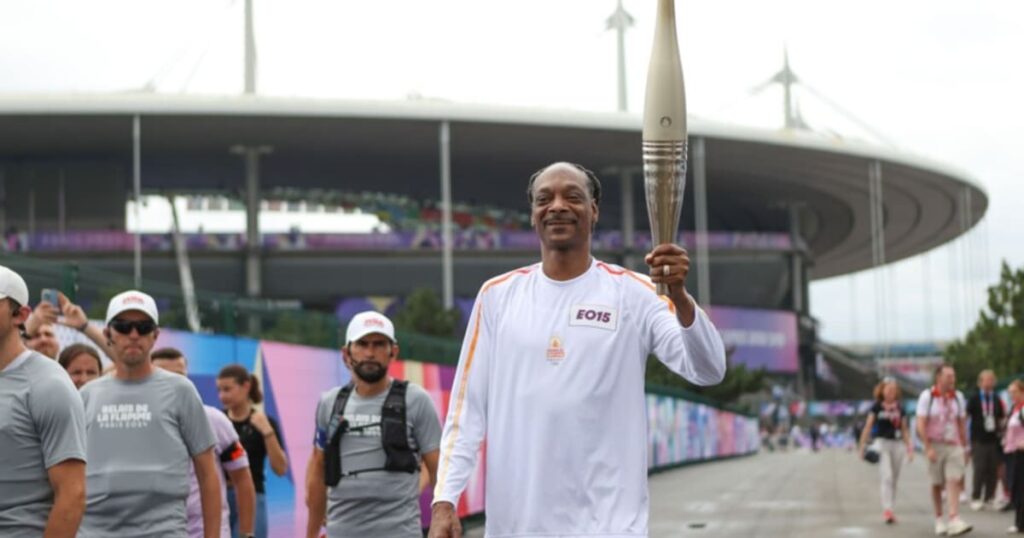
{"x":552,"y":375}
{"x":942,"y":428}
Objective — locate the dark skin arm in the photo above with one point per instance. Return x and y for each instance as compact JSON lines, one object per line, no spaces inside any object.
{"x":444,"y":522}
{"x":677,"y":260}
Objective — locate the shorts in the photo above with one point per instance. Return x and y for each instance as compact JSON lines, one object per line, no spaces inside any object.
{"x":949,"y":463}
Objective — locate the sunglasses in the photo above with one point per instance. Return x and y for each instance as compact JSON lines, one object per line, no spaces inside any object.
{"x":143,"y":327}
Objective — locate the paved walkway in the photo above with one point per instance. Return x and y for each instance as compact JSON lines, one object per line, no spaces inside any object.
{"x":795,"y":495}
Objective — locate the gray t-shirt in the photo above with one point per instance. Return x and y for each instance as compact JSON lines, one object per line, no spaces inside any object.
{"x":41,"y":425}
{"x":376,"y":503}
{"x":142,"y":436}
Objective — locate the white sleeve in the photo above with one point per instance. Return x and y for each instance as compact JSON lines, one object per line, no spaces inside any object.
{"x":466,"y":423}
{"x":695,"y":352}
{"x":922,"y":404}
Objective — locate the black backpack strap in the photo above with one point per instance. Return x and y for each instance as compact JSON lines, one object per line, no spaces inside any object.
{"x":336,"y":427}
{"x":394,"y":432}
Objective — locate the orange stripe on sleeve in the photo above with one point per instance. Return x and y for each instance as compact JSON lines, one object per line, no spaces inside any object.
{"x":463,"y":382}
{"x":634,"y":276}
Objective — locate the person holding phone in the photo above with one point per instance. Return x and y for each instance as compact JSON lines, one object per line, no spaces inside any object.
{"x":55,"y":308}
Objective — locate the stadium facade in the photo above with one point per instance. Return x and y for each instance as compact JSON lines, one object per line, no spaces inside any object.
{"x":781,"y":207}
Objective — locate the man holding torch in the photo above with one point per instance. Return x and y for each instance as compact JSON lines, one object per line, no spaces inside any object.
{"x":552,"y":367}
{"x":552,"y":375}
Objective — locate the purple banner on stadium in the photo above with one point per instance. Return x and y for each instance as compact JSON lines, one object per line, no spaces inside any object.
{"x":758,"y":338}
{"x":422,"y":239}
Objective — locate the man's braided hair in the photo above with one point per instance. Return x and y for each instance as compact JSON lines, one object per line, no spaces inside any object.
{"x":593,"y":183}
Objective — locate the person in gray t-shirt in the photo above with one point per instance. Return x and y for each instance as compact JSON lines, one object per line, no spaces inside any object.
{"x":42,"y":431}
{"x":368,"y":500}
{"x":144,"y":426}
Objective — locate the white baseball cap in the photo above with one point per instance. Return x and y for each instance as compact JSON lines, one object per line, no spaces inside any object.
{"x":13,"y":286}
{"x":132,"y":300}
{"x":369,"y":322}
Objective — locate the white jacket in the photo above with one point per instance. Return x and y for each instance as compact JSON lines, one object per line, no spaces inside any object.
{"x":552,"y":375}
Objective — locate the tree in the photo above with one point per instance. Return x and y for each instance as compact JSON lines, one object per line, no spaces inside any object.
{"x":423,"y":313}
{"x":301,"y":327}
{"x":997,"y":339}
{"x":738,"y":381}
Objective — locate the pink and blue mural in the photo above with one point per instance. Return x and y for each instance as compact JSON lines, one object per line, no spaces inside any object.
{"x":293,"y":379}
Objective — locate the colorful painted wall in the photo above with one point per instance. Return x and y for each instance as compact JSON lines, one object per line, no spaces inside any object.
{"x":293,"y":378}
{"x":680,"y":431}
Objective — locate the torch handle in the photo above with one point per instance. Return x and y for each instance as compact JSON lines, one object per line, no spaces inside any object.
{"x":664,"y":183}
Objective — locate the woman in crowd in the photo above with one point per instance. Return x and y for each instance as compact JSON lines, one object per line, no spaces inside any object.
{"x":239,"y":392}
{"x":1013,"y":446}
{"x":892,"y":436}
{"x":82,"y":363}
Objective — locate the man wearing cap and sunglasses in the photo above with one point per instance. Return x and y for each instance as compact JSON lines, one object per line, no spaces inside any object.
{"x":42,"y":431}
{"x":371,"y":436}
{"x":145,"y":426}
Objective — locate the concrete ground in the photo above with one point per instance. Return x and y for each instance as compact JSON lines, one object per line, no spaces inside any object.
{"x":795,"y":495}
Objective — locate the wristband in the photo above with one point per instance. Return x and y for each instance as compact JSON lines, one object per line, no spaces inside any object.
{"x":83,"y":327}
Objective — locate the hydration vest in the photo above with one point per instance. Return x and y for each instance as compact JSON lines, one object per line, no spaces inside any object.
{"x":399,"y":456}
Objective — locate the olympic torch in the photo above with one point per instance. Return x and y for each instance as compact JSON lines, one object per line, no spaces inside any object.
{"x":664,"y":136}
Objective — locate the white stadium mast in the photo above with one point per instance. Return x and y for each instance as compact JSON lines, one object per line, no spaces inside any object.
{"x":620,"y":21}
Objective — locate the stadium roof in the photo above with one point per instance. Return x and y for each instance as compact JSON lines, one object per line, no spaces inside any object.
{"x":753,"y":174}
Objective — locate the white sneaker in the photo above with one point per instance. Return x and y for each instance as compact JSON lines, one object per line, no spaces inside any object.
{"x":976,"y":505}
{"x":940,"y":527}
{"x":1012,"y":530}
{"x":996,"y":505}
{"x":957,"y":527}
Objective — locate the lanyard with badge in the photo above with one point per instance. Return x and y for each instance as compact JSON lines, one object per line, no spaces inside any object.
{"x":948,"y":418}
{"x":892,"y":413}
{"x":988,"y":406}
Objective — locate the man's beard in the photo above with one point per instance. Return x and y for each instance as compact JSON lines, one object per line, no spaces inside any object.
{"x":370,"y":371}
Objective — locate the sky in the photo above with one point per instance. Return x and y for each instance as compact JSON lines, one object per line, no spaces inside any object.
{"x":936,"y":78}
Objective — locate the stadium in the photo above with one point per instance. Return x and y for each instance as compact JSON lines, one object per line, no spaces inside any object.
{"x":782,"y":207}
